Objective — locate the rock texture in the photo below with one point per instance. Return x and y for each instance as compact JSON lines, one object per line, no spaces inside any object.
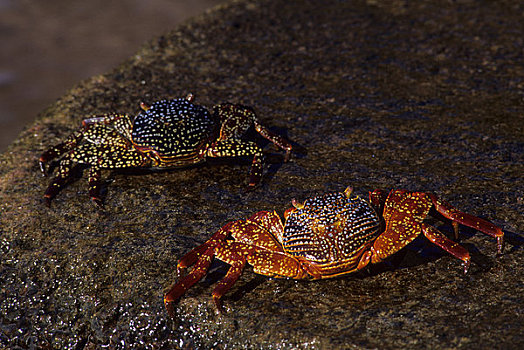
{"x":424,"y":95}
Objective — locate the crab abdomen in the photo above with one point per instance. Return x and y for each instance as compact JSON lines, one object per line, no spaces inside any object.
{"x":332,"y":232}
{"x":175,"y":131}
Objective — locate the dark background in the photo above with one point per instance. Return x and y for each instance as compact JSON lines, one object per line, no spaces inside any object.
{"x":48,"y":46}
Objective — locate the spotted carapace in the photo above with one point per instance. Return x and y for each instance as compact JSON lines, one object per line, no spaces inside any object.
{"x":167,"y":134}
{"x":324,"y":237}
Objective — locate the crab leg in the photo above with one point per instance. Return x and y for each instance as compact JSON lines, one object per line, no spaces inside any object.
{"x":238,"y":148}
{"x":199,"y":271}
{"x":194,"y":255}
{"x":400,"y":229}
{"x":278,"y":140}
{"x":237,"y":119}
{"x":54,"y":152}
{"x":59,"y":181}
{"x":201,"y":257}
{"x":72,"y":141}
{"x":377,"y":198}
{"x":230,"y":253}
{"x":95,"y":174}
{"x":450,"y":212}
{"x":256,"y":170}
{"x":453,"y":248}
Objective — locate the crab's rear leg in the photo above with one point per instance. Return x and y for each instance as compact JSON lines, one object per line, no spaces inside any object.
{"x":239,"y":148}
{"x":278,"y":140}
{"x":453,"y":248}
{"x":458,"y":217}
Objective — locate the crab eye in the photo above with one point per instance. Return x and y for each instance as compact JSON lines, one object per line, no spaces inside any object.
{"x":144,"y":106}
{"x":296,"y":204}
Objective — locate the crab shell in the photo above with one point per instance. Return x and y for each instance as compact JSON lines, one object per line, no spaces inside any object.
{"x":174,"y":131}
{"x":330,"y":231}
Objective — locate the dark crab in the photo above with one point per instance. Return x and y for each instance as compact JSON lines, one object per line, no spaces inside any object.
{"x":167,"y":134}
{"x":326,"y":236}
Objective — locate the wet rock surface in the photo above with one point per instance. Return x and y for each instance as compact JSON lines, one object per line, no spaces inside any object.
{"x":422,"y":96}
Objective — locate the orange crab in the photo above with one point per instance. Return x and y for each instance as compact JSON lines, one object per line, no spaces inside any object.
{"x":326,"y":236}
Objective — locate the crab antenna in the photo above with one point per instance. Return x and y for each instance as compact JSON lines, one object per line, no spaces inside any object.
{"x":297,"y":204}
{"x":190,"y":97}
{"x":348,"y":191}
{"x":144,"y":106}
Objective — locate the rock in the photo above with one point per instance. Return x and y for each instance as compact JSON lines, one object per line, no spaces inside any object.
{"x":417,"y":95}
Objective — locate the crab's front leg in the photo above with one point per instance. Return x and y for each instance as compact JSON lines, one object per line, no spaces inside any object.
{"x":121,"y":123}
{"x":56,"y":151}
{"x":404,"y":213}
{"x":264,"y":262}
{"x":397,"y":235}
{"x":200,"y":258}
{"x":235,"y":121}
{"x":377,"y":198}
{"x":95,"y":184}
{"x":59,"y":181}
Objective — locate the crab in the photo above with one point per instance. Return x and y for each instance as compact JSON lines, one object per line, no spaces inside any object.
{"x":324,"y":237}
{"x":167,"y":134}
